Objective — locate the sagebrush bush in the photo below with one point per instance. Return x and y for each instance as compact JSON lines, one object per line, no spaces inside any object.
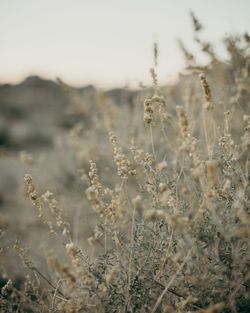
{"x":172,"y":211}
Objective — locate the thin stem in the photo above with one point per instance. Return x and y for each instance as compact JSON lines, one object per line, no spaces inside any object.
{"x":105,"y":237}
{"x":170,"y":283}
{"x":130,"y":251}
{"x":55,"y":288}
{"x":55,"y":293}
{"x":205,"y":134}
{"x":152,"y":141}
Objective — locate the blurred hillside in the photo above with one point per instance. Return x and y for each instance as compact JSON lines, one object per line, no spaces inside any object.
{"x":33,"y":111}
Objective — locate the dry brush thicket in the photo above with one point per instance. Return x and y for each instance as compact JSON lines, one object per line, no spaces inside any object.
{"x":169,"y":182}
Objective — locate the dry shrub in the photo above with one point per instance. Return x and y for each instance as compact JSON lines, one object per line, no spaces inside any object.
{"x":172,"y":212}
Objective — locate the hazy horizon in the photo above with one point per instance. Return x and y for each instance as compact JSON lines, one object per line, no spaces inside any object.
{"x":107,"y":43}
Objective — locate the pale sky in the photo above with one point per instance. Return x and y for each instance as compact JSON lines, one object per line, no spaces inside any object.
{"x":107,"y":42}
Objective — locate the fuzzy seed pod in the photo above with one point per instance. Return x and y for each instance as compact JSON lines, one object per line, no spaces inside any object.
{"x":183,"y":121}
{"x":148,"y":111}
{"x":206,"y":91}
{"x":162,"y":187}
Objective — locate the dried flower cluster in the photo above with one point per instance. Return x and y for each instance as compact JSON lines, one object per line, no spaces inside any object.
{"x":123,"y":164}
{"x":183,"y":121}
{"x":206,"y":91}
{"x":148,"y":111}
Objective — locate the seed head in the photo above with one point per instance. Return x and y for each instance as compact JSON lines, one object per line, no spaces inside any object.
{"x":148,"y":111}
{"x":206,"y":91}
